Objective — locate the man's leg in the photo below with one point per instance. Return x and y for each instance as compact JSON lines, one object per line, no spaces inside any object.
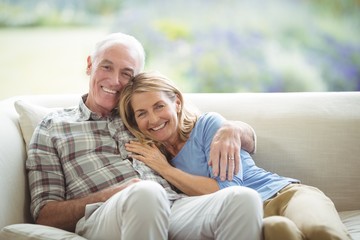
{"x":231,"y":213}
{"x":140,"y":211}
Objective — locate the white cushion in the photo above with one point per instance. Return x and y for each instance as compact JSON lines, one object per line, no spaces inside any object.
{"x":30,"y":116}
{"x":351,"y":219}
{"x":28,"y":231}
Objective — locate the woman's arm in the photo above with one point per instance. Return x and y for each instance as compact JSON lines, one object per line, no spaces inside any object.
{"x":189,"y":184}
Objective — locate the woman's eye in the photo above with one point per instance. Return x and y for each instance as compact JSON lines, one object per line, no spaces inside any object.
{"x":160,"y":106}
{"x":140,"y":115}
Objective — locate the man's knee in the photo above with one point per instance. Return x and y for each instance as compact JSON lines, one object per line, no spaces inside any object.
{"x":147,"y":193}
{"x":144,"y":201}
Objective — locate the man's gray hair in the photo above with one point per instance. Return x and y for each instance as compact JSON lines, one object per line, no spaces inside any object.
{"x":124,"y":39}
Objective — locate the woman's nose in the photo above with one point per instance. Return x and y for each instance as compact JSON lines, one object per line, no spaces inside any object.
{"x":153,"y":118}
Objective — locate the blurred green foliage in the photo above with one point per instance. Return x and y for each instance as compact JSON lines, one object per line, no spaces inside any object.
{"x":55,"y":13}
{"x":241,"y":46}
{"x":173,"y":30}
{"x":223,"y":46}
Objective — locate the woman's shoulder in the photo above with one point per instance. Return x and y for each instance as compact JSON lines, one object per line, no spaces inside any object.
{"x":209,"y":121}
{"x":208,"y":116}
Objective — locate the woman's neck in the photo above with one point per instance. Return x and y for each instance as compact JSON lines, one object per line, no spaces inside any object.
{"x":174,"y":147}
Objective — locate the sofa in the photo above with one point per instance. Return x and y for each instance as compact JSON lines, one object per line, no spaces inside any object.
{"x":314,"y":137}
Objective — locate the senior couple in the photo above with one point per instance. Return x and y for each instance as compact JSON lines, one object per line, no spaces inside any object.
{"x":160,"y":171}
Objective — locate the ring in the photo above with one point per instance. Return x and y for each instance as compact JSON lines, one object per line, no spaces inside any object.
{"x":231,"y":158}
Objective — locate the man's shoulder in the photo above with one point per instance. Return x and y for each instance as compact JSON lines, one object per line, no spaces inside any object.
{"x":62,"y":114}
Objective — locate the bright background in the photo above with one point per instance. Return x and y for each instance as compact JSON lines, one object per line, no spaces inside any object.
{"x":203,"y":45}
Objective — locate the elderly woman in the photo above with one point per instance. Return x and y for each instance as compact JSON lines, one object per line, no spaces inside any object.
{"x":175,"y":141}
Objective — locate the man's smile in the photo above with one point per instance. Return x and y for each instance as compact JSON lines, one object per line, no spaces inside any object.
{"x":108,"y":90}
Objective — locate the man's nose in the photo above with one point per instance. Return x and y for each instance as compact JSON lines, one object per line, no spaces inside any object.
{"x":115,"y":79}
{"x":121,"y":80}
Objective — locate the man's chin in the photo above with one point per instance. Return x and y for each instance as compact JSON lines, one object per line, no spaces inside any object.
{"x":110,"y":99}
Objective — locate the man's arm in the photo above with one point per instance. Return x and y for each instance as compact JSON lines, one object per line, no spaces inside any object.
{"x":224,"y":153}
{"x":65,"y":214}
{"x":47,"y":185}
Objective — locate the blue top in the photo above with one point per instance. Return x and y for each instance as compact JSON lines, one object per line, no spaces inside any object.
{"x":193,"y":158}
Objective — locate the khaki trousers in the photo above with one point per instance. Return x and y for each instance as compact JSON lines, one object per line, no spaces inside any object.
{"x":301,"y":212}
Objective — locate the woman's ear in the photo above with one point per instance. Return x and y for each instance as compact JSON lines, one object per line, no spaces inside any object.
{"x":89,"y":65}
{"x":178,"y":104}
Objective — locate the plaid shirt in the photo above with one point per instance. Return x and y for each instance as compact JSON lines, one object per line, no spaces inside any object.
{"x":74,"y":152}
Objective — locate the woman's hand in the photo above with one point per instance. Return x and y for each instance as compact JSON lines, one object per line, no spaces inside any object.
{"x":148,"y":154}
{"x":189,"y":184}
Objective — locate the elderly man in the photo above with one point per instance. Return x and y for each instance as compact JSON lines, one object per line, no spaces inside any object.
{"x":81,"y":179}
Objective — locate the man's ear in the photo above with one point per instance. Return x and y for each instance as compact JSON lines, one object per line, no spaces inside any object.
{"x":89,"y":65}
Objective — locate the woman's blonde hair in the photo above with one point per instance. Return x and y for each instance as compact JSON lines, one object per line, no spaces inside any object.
{"x":154,"y":82}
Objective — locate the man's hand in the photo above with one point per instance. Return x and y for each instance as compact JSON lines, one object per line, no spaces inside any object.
{"x":107,"y":193}
{"x":65,"y":214}
{"x":225,"y":149}
{"x":225,"y":153}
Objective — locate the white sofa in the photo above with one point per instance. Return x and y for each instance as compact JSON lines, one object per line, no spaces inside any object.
{"x":314,"y":137}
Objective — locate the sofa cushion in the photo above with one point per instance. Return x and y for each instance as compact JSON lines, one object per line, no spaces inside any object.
{"x":28,"y":231}
{"x":30,"y":116}
{"x":351,"y":220}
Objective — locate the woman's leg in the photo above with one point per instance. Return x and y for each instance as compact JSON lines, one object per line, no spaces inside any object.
{"x":279,"y":227}
{"x":310,"y":209}
{"x":231,"y":213}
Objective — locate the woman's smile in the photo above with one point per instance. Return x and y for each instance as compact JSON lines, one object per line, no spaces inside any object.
{"x":161,"y":126}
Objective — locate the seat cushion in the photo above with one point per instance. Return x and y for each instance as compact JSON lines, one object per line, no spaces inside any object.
{"x":351,"y":219}
{"x":29,"y":231}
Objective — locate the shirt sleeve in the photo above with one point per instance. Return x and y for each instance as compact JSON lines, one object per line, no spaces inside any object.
{"x":45,"y":176}
{"x":213,"y":121}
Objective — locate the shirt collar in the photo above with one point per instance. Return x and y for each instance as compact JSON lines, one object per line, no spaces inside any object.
{"x":88,"y":115}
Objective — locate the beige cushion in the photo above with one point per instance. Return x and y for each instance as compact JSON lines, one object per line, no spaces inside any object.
{"x":30,"y":116}
{"x":351,"y":219}
{"x":35,"y":232}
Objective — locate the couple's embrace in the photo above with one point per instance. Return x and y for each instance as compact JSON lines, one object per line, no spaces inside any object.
{"x":88,"y":174}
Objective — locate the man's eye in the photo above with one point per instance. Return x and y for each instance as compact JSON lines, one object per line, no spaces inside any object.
{"x":106,"y":68}
{"x":127,"y":75}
